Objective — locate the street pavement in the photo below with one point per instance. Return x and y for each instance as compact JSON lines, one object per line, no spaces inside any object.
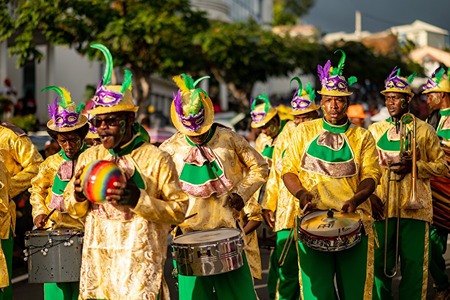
{"x":22,"y":290}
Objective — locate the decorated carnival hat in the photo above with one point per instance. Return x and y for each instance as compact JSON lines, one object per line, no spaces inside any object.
{"x":64,"y":114}
{"x":331,"y":79}
{"x":112,"y":98}
{"x":439,"y":82}
{"x":261,"y":111}
{"x":192,"y":111}
{"x":397,"y":84}
{"x":303,"y":99}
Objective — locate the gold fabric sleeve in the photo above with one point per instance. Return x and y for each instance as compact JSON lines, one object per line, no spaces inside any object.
{"x":238,"y":158}
{"x":432,"y":163}
{"x":21,"y":159}
{"x":41,"y":195}
{"x":6,"y":219}
{"x":129,"y":246}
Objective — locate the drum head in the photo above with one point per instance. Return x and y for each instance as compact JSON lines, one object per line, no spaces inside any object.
{"x":207,"y":236}
{"x":318,"y":223}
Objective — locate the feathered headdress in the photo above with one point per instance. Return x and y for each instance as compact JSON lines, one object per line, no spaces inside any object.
{"x":112,"y":98}
{"x":261,"y":111}
{"x":397,"y":84}
{"x":64,"y":114}
{"x":332,"y":81}
{"x":192,"y":111}
{"x":439,"y":82}
{"x":303,"y":99}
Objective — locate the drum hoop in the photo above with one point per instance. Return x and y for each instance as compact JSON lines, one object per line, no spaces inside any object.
{"x":319,"y":237}
{"x":55,"y":232}
{"x":209,"y":243}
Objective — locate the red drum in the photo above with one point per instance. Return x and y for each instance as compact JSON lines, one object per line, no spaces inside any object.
{"x":329,"y":231}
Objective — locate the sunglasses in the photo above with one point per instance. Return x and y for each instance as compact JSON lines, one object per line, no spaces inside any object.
{"x":110,"y":122}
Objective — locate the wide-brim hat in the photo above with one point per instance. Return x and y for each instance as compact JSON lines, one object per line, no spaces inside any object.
{"x":297,"y":112}
{"x":438,"y":83}
{"x":204,"y":127}
{"x":398,"y":84}
{"x":82,"y":120}
{"x":124,"y":105}
{"x":338,"y":93}
{"x":267,"y":116}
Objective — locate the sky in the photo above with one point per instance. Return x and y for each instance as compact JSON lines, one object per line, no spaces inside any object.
{"x":377,"y":15}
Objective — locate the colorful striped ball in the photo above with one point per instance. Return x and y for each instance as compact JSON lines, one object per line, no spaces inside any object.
{"x":97,"y":177}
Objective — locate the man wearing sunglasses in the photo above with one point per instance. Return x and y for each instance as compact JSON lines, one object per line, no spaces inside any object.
{"x":125,"y":239}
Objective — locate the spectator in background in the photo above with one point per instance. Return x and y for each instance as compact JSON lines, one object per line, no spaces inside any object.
{"x":51,"y":147}
{"x":26,"y":105}
{"x":356,"y":114}
{"x":9,"y":90}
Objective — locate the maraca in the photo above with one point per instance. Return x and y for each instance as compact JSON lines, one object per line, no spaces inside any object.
{"x":97,"y":177}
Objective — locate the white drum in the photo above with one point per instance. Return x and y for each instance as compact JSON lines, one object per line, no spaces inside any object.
{"x":211,"y":252}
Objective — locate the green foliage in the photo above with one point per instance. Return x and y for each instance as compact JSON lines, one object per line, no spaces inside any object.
{"x":287,"y":12}
{"x":27,"y":123}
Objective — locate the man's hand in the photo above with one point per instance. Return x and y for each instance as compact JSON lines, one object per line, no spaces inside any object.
{"x":269,"y":217}
{"x":377,"y":207}
{"x":40,"y":220}
{"x":305,"y":198}
{"x":403,"y":167}
{"x":124,"y":194}
{"x":235,"y":201}
{"x":79,"y":195}
{"x":349,"y":206}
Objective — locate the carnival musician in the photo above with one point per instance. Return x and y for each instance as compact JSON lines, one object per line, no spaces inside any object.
{"x":331,"y":164}
{"x":21,"y":159}
{"x":266,"y":118}
{"x":125,"y":238}
{"x":405,"y":191}
{"x":437,"y":91}
{"x":280,"y":207}
{"x":219,"y":171}
{"x":68,"y":127}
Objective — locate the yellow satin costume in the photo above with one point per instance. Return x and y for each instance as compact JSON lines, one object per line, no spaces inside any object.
{"x":252,"y":211}
{"x":124,"y":251}
{"x":237,"y":157}
{"x":41,"y":195}
{"x":431,"y":164}
{"x":21,"y":158}
{"x":7,"y":213}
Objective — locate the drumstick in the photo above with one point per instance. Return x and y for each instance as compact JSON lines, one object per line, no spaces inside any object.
{"x":44,"y":221}
{"x":190,"y":216}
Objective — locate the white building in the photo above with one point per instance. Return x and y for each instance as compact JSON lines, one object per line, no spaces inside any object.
{"x":422,"y":34}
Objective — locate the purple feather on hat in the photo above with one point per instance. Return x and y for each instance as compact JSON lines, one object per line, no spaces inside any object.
{"x":324,"y":72}
{"x":53,"y":109}
{"x":178,"y":103}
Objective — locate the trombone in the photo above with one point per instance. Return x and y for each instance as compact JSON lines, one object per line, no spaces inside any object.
{"x":408,"y":151}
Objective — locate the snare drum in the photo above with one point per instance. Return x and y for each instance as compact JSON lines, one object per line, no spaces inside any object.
{"x":329,"y":231}
{"x":53,"y":256}
{"x":211,"y":252}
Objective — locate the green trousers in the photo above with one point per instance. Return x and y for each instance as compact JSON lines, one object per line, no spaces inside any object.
{"x":7,"y":247}
{"x":349,"y":267}
{"x":287,"y":286}
{"x":438,"y":246}
{"x":236,"y":285}
{"x":272,"y":276}
{"x":413,"y":252}
{"x":61,"y":290}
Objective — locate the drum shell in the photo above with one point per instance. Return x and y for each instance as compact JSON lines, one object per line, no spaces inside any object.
{"x":62,"y":262}
{"x":328,"y":243}
{"x":208,"y":258}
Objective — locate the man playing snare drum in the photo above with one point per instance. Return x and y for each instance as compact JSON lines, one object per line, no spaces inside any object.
{"x":69,"y":128}
{"x":125,"y":238}
{"x":278,"y":200}
{"x":211,"y":161}
{"x":437,"y":91}
{"x":332,"y":164}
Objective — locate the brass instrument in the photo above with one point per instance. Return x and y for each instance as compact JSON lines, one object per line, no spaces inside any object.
{"x":408,"y":151}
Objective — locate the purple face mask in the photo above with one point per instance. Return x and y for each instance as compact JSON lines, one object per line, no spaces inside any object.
{"x":258,"y":116}
{"x":66,"y":119}
{"x":193,"y":122}
{"x":396,"y":82}
{"x":104,"y":97}
{"x":429,"y":85}
{"x":299,"y":103}
{"x":335,"y":83}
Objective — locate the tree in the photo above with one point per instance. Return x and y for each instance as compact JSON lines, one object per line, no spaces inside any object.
{"x":147,"y":37}
{"x":287,"y":12}
{"x":241,"y":54}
